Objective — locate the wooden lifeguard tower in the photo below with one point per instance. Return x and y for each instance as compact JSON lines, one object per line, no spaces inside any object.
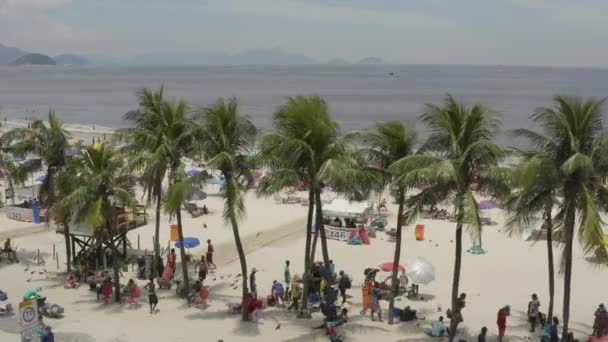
{"x":87,"y":241}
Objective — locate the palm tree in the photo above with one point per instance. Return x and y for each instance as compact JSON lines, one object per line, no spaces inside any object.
{"x":226,"y":137}
{"x":385,"y":145}
{"x":48,"y":141}
{"x":303,"y":139}
{"x":536,"y":180}
{"x":460,"y":151}
{"x":101,"y":180}
{"x":148,"y":149}
{"x":573,"y":142}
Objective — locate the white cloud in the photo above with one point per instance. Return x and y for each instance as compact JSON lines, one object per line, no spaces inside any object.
{"x":32,"y":4}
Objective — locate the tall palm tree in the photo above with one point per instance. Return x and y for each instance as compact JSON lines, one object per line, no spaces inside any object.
{"x":573,"y":141}
{"x":146,"y":146}
{"x":178,"y":141}
{"x":536,"y":183}
{"x":48,"y":141}
{"x":460,"y":151}
{"x":101,"y":180}
{"x":225,"y":138}
{"x":385,"y":145}
{"x":304,"y":139}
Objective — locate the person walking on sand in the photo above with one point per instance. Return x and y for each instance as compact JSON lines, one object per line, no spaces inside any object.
{"x":202,"y":267}
{"x":152,"y":298}
{"x":501,"y":321}
{"x":210,"y":251}
{"x":375,"y":302}
{"x":600,"y":322}
{"x":533,"y":312}
{"x":296,"y":293}
{"x":252,"y":283}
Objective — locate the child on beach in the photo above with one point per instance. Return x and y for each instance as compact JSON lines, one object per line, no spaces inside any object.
{"x":501,"y":321}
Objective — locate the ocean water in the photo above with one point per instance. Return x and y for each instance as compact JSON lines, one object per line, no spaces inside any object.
{"x":357,"y":95}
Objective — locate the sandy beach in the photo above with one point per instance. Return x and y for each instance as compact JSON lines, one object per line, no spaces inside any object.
{"x":510,"y":271}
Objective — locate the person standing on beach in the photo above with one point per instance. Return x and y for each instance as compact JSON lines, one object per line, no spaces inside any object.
{"x":344,"y":283}
{"x":501,"y":321}
{"x":172,"y":261}
{"x":252,"y":283}
{"x":202,"y":268}
{"x":296,"y":293}
{"x":482,"y":336}
{"x":533,"y":311}
{"x":152,"y":298}
{"x":375,"y":302}
{"x":210,"y":251}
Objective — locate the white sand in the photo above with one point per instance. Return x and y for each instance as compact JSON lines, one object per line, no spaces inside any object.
{"x":508,"y":274}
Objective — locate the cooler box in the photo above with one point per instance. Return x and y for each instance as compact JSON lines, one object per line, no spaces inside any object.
{"x":174,"y":233}
{"x":419,"y":232}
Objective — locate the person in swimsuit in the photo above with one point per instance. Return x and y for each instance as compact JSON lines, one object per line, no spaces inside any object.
{"x":152,"y":298}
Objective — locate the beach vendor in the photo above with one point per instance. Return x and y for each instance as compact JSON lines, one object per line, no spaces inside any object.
{"x":171,"y":261}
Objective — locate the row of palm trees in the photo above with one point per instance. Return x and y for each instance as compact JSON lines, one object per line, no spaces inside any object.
{"x":560,"y":173}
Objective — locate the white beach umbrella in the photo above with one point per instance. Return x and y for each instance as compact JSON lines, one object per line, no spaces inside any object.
{"x":419,"y":270}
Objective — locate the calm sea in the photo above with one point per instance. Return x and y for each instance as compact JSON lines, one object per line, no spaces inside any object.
{"x":357,"y":95}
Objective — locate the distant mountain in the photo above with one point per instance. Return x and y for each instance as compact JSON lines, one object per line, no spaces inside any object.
{"x":9,"y":54}
{"x":371,"y":60}
{"x":69,"y":59}
{"x":211,"y":57}
{"x":271,"y":56}
{"x":33,"y":59}
{"x":338,"y":61}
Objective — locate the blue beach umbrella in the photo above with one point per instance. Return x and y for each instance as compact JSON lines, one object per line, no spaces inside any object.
{"x":193,"y":173}
{"x":189,"y":242}
{"x":198,"y":196}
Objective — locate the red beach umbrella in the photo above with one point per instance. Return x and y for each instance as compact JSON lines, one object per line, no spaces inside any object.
{"x":388,"y":267}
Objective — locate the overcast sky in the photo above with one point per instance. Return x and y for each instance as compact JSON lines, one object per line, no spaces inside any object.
{"x":531,"y":32}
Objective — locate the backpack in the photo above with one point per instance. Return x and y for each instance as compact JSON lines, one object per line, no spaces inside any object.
{"x":347,"y":282}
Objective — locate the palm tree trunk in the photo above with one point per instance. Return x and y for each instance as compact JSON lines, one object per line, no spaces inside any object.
{"x":50,"y":174}
{"x":182,"y":250}
{"x":569,"y":227}
{"x":243,"y":262}
{"x":457,"y":265}
{"x":394,"y":281}
{"x":68,"y":247}
{"x":307,"y":252}
{"x":115,"y":267}
{"x":12,"y":187}
{"x":159,"y":203}
{"x":549,"y":227}
{"x":320,"y":226}
{"x":313,"y":249}
{"x":238,"y":243}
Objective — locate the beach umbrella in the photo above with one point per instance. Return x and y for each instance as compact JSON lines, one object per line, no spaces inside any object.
{"x":488,"y":204}
{"x":419,"y":270}
{"x":189,"y":242}
{"x":216,"y":181}
{"x":193,"y":172}
{"x":388,"y":267}
{"x":198,"y":196}
{"x":71,"y":152}
{"x":40,"y":179}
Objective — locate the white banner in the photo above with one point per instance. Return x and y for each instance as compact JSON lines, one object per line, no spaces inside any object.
{"x":336,"y":233}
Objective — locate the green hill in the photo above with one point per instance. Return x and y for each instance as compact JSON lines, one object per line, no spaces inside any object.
{"x":34,"y":59}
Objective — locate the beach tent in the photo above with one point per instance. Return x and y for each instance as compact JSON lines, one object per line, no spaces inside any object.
{"x":341,"y":207}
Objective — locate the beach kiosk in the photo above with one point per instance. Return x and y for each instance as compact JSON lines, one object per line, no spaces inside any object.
{"x":346,"y":219}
